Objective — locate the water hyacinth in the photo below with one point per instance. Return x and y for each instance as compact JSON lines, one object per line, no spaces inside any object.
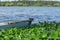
{"x":40,"y":31}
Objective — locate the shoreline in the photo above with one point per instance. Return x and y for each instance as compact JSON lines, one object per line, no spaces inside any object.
{"x":31,"y":3}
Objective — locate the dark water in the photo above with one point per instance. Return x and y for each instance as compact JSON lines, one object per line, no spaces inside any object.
{"x":23,"y":13}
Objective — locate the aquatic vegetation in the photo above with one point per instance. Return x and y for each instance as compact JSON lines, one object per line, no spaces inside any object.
{"x":40,"y":31}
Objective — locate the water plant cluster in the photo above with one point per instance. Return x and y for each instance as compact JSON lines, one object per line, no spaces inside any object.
{"x":40,"y":31}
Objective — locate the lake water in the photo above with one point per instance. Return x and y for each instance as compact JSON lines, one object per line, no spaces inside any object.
{"x":24,"y":13}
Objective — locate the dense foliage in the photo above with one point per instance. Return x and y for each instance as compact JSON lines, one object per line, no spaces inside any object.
{"x":40,"y":31}
{"x":30,"y":3}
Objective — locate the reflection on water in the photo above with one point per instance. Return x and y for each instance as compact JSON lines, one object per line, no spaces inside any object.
{"x":23,"y":13}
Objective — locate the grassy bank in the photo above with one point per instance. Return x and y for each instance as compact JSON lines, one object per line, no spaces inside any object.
{"x":31,"y":3}
{"x":40,"y":31}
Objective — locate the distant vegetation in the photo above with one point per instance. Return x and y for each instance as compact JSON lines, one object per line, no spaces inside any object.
{"x":30,"y":3}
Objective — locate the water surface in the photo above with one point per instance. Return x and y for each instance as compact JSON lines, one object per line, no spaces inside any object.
{"x":24,"y":13}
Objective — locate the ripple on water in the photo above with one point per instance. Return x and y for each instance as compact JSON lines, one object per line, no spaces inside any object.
{"x":23,"y":13}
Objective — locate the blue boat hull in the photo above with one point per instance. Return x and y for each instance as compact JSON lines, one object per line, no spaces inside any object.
{"x":17,"y":25}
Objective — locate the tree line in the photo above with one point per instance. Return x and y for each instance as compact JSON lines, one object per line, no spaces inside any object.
{"x":30,"y":3}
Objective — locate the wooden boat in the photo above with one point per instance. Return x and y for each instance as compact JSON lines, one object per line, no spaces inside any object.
{"x":18,"y":24}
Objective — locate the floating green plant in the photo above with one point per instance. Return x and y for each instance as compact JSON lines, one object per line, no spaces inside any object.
{"x":40,"y":31}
